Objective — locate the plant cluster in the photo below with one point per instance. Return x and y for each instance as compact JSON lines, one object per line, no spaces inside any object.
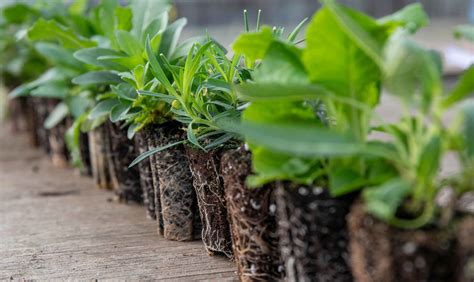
{"x":313,"y":112}
{"x":306,"y":112}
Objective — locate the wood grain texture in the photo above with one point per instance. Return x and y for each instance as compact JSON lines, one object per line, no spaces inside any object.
{"x":54,"y":224}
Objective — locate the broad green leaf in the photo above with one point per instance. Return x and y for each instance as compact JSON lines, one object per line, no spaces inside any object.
{"x":78,"y":7}
{"x":383,"y":201}
{"x":58,"y":55}
{"x":411,"y":71}
{"x":132,"y":130}
{"x":465,"y":31}
{"x":119,"y":111}
{"x":279,"y":91}
{"x":281,"y":64}
{"x":91,"y":56}
{"x":18,"y":13}
{"x":253,"y":46}
{"x":412,"y":16}
{"x":103,"y":108}
{"x":430,"y":158}
{"x":128,"y":43}
{"x":300,"y":140}
{"x":343,"y":180}
{"x":52,"y":89}
{"x":145,"y":12}
{"x":125,"y":91}
{"x":124,"y":63}
{"x":335,"y":60}
{"x":170,"y":37}
{"x":468,"y":110}
{"x":51,"y":75}
{"x":50,"y":30}
{"x":97,"y":77}
{"x":356,"y":27}
{"x":56,"y":116}
{"x":123,"y":16}
{"x":107,"y":20}
{"x":78,"y":104}
{"x":464,"y":87}
{"x":157,"y":26}
{"x":272,"y":166}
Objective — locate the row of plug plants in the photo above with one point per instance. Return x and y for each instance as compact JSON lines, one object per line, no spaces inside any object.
{"x":277,"y":156}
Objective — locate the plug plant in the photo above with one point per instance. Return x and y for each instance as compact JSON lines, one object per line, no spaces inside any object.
{"x":309,"y":122}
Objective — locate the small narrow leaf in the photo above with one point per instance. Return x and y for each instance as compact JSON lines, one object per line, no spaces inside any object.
{"x":146,"y":155}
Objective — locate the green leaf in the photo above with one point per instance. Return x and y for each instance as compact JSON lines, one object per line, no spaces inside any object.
{"x":343,"y":180}
{"x":277,"y":91}
{"x":468,"y":110}
{"x":357,"y":30}
{"x":132,"y":130}
{"x":103,"y":108}
{"x":119,"y":111}
{"x":430,"y":158}
{"x":412,"y":16}
{"x":151,"y":152}
{"x":253,"y":46}
{"x":296,"y":31}
{"x":464,"y":87}
{"x":336,"y":61}
{"x":300,"y":140}
{"x":78,"y":104}
{"x":72,"y":139}
{"x":56,"y":116}
{"x":145,"y":12}
{"x":128,"y":43}
{"x":53,"y":89}
{"x":123,"y":16}
{"x":58,"y":56}
{"x":18,"y":13}
{"x":271,"y":166}
{"x":411,"y":71}
{"x":382,"y":201}
{"x":91,"y":56}
{"x":465,"y":31}
{"x":53,"y":74}
{"x":97,"y":77}
{"x":125,"y":91}
{"x":44,"y":30}
{"x":170,"y":37}
{"x":155,"y":28}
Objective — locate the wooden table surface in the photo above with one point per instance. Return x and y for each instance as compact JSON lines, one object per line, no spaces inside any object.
{"x":54,"y":224}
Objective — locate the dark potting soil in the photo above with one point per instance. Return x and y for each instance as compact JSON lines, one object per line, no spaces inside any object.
{"x":252,"y":221}
{"x":313,"y":233}
{"x":382,"y":253}
{"x":40,"y":107}
{"x":85,"y":154}
{"x":465,"y":249}
{"x":150,"y":132}
{"x":146,"y":177}
{"x":98,"y":144}
{"x":179,"y":209}
{"x":209,"y":187}
{"x":121,"y":153}
{"x":31,"y":121}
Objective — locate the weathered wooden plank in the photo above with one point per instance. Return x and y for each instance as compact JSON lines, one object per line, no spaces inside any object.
{"x":54,"y":224}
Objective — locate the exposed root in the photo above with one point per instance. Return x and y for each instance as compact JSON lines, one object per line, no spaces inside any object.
{"x":208,"y":184}
{"x":252,"y":220}
{"x":313,"y":233}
